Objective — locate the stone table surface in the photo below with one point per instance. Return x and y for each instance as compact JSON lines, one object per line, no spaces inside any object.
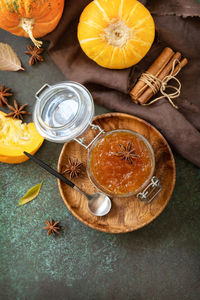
{"x":159,"y":261}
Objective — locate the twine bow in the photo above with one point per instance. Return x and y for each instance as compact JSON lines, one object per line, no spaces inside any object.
{"x":157,"y":84}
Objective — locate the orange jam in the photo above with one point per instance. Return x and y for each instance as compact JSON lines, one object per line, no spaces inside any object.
{"x":115,"y":174}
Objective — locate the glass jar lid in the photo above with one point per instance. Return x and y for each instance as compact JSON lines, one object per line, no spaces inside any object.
{"x":63,"y":111}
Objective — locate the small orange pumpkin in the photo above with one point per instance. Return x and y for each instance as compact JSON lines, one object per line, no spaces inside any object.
{"x":30,"y":18}
{"x":116,"y":34}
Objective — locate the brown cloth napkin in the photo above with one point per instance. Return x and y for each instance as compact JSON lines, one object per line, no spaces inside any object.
{"x":182,"y":8}
{"x":111,"y":87}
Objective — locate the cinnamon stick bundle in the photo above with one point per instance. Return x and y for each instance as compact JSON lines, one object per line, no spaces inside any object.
{"x":162,"y":67}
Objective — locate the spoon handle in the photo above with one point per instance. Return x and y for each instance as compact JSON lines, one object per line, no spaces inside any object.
{"x":49,"y":169}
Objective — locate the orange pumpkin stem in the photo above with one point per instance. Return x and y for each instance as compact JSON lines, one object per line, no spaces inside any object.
{"x":27,"y":25}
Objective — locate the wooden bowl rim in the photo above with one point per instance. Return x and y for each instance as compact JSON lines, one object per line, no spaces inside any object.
{"x":125,"y":230}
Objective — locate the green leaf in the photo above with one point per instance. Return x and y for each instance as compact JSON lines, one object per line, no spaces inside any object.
{"x":31,"y":194}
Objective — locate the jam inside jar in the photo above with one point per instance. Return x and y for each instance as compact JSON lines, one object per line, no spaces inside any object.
{"x":121,"y":163}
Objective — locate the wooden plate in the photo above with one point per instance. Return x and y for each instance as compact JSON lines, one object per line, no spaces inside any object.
{"x":127,"y":214}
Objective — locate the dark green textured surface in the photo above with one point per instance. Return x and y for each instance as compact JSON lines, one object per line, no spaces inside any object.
{"x":160,"y":261}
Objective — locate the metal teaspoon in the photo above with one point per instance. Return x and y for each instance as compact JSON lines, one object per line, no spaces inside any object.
{"x":99,"y":204}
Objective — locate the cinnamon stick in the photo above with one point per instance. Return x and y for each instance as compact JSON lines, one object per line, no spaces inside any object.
{"x":155,"y":69}
{"x":148,"y":92}
{"x":182,"y":64}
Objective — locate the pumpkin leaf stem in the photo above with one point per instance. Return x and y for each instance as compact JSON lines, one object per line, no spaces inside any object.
{"x":27,"y":25}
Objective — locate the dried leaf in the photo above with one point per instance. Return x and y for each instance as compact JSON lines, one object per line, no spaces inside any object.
{"x":30,"y":195}
{"x":8,"y":59}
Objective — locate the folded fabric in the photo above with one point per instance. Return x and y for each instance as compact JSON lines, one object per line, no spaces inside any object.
{"x":111,"y":87}
{"x":186,"y":8}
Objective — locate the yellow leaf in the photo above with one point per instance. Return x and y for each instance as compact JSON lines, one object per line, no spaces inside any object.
{"x":30,"y":195}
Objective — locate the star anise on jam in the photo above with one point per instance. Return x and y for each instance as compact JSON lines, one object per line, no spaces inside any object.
{"x":34,"y":52}
{"x":3,"y":94}
{"x":73,"y":167}
{"x":127,"y":153}
{"x":52,"y":227}
{"x":17,"y":112}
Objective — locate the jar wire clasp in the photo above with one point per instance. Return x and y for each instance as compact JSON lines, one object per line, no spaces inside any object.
{"x":41,"y":90}
{"x":81,"y":140}
{"x":151,"y":191}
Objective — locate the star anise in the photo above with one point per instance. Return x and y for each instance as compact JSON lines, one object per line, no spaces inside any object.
{"x":52,"y":227}
{"x":17,"y":111}
{"x":128,"y":153}
{"x":34,"y":52}
{"x":73,"y":168}
{"x":3,"y":94}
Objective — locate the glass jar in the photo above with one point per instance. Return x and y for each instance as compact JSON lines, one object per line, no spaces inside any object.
{"x":110,"y":171}
{"x":64,"y":112}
